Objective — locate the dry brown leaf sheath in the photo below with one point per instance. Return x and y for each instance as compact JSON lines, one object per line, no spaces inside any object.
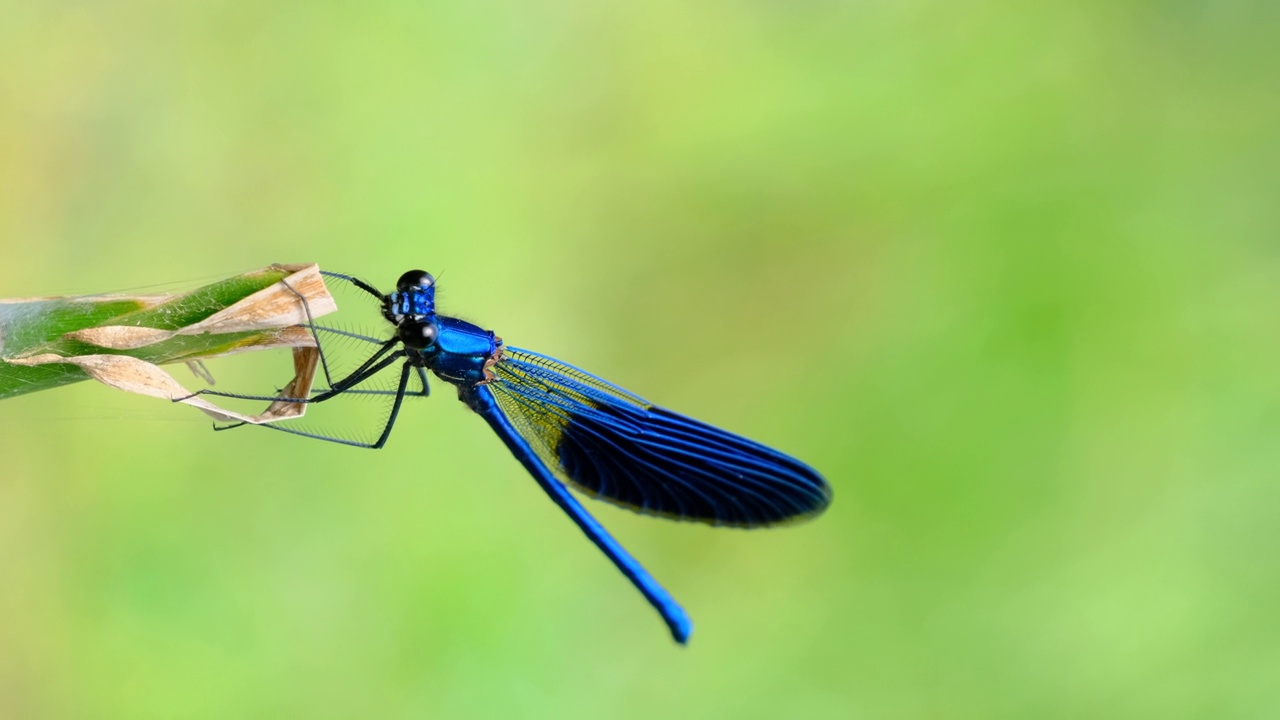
{"x":45,"y":342}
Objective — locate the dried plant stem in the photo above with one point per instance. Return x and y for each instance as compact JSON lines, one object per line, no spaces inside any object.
{"x":120,"y":340}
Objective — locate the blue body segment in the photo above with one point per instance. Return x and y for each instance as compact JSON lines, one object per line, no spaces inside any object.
{"x":569,"y":428}
{"x":461,"y":352}
{"x":481,"y":400}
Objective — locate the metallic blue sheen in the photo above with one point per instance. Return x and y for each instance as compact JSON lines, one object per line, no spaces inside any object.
{"x":481,"y":400}
{"x":414,"y":302}
{"x":567,"y":426}
{"x":570,"y":428}
{"x":461,"y":352}
{"x":618,"y":447}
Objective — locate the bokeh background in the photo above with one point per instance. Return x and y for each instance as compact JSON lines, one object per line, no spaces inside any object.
{"x":1006,"y":273}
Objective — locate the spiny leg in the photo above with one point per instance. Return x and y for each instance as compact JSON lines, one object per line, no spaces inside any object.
{"x":426,"y":387}
{"x":355,"y":281}
{"x":311,"y":325}
{"x":370,"y":367}
{"x":424,"y":392}
{"x":330,"y":393}
{"x":382,"y":438}
{"x":338,"y":386}
{"x":349,"y":334}
{"x":344,"y":385}
{"x":306,"y":307}
{"x":422,"y":371}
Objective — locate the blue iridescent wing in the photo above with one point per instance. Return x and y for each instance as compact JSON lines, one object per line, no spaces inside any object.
{"x":615,"y":446}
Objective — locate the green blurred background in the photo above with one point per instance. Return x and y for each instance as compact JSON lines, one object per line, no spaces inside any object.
{"x":1007,"y":275}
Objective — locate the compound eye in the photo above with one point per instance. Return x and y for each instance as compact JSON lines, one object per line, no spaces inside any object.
{"x":418,"y":335}
{"x":415,"y":279}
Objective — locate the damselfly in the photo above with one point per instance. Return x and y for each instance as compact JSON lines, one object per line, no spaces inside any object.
{"x":568,"y":427}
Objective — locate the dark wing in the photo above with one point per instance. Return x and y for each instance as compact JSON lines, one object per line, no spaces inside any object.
{"x":615,"y":446}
